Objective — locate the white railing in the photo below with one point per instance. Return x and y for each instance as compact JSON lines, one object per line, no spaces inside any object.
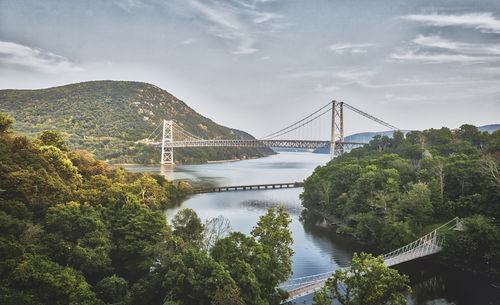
{"x":426,"y":245}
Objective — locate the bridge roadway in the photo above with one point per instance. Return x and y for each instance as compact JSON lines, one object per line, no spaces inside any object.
{"x":307,"y":144}
{"x":249,"y":187}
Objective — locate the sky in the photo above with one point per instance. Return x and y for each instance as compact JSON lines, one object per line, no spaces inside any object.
{"x":259,"y":65}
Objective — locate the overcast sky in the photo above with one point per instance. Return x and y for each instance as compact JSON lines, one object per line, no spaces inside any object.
{"x":258,"y":65}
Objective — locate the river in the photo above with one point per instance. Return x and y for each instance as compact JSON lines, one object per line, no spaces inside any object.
{"x":317,"y":248}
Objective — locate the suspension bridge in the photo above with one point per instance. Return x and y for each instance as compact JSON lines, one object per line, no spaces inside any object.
{"x":288,"y":137}
{"x":426,"y":245}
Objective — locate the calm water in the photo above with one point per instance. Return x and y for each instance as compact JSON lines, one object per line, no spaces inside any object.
{"x":317,"y":248}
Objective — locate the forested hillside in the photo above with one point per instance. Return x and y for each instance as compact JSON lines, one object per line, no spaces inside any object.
{"x":396,"y":189}
{"x":75,"y":231}
{"x":106,"y":118}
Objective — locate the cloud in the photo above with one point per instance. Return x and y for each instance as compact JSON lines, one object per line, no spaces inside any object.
{"x":435,"y":49}
{"x":460,"y":47}
{"x":265,"y":16}
{"x":217,"y":13}
{"x":438,"y":58}
{"x":355,"y":48}
{"x":188,"y":41}
{"x":128,"y":5}
{"x":366,"y":79}
{"x":35,"y":59}
{"x":327,"y":89}
{"x":240,"y":23}
{"x":484,"y":22}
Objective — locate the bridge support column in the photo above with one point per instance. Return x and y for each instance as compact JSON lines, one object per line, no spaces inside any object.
{"x":167,"y":153}
{"x":337,"y":139}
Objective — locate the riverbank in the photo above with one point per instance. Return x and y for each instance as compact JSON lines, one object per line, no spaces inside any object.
{"x":193,"y":163}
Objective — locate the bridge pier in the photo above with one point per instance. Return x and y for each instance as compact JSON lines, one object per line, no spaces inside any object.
{"x":337,"y":146}
{"x":167,"y":153}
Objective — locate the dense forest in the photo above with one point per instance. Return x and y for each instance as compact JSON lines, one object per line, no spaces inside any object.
{"x":109,"y":118}
{"x":75,"y":231}
{"x":396,"y":189}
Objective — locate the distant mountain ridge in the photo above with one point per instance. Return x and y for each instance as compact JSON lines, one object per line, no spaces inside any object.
{"x":368,"y":136}
{"x":107,"y":118}
{"x":489,"y":128}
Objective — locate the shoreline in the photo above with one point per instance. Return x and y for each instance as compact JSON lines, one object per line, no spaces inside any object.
{"x":208,"y":162}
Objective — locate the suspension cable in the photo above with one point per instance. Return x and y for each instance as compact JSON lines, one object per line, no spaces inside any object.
{"x":371,"y":117}
{"x":307,"y":122}
{"x":185,"y":132}
{"x":272,"y":134}
{"x":153,"y":131}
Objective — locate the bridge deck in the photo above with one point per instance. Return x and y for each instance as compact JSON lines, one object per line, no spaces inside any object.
{"x":250,"y":187}
{"x":308,"y":144}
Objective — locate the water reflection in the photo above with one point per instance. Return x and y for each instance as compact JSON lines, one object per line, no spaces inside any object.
{"x":434,"y":283}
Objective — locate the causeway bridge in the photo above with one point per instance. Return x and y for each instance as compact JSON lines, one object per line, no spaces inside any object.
{"x":304,"y":133}
{"x":426,"y":245}
{"x":255,"y":187}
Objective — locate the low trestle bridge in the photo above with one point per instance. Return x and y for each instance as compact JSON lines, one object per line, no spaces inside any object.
{"x":254,"y":187}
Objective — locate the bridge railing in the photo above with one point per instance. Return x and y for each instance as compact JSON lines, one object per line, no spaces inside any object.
{"x":428,"y":244}
{"x":295,"y":283}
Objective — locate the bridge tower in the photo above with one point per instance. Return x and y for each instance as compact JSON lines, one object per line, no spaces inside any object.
{"x":167,"y":153}
{"x":337,"y":140}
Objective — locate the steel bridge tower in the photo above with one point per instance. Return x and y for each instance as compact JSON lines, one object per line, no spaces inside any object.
{"x":337,"y":139}
{"x":167,"y":153}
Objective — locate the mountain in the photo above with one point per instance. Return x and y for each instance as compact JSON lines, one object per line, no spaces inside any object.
{"x":108,"y":118}
{"x":359,"y":137}
{"x":368,"y":136}
{"x":489,"y":128}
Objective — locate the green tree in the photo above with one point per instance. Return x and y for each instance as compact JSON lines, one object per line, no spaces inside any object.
{"x":112,"y":290}
{"x":227,"y":295}
{"x":366,"y":281}
{"x":62,"y":164}
{"x":322,"y":297}
{"x":5,"y":123}
{"x":477,"y":247}
{"x":76,"y":236}
{"x":54,"y":138}
{"x":188,"y":226}
{"x":273,"y":234}
{"x":416,"y":204}
{"x":150,"y":192}
{"x":36,"y":280}
{"x":249,"y":266}
{"x":135,"y":228}
{"x":189,"y":275}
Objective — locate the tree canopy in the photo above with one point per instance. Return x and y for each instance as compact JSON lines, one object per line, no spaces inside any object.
{"x":394,"y":190}
{"x":75,"y":231}
{"x":366,"y":281}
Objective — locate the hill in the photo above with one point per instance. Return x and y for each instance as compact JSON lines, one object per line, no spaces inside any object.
{"x":107,"y":118}
{"x":489,"y":128}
